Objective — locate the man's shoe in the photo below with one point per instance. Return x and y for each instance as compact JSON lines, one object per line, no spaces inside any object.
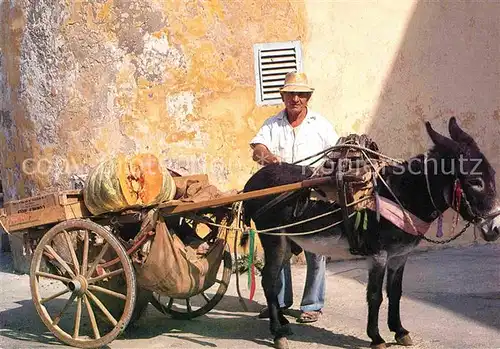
{"x":309,"y":316}
{"x":264,"y":313}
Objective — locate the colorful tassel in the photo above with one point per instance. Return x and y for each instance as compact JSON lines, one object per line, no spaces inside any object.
{"x":358,"y":220}
{"x":251,"y":265}
{"x":457,"y":198}
{"x":365,"y":221}
{"x":252,"y":285}
{"x":439,"y":232}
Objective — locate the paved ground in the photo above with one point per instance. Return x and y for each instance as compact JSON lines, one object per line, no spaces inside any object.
{"x":451,"y":300}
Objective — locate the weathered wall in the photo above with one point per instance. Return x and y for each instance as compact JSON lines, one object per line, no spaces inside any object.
{"x":84,"y":81}
{"x":90,"y":79}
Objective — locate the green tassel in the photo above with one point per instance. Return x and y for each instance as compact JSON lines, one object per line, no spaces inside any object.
{"x":251,"y":248}
{"x":358,"y":220}
{"x":365,"y":222}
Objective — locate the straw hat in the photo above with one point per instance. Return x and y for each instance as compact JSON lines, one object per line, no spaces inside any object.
{"x":296,"y":82}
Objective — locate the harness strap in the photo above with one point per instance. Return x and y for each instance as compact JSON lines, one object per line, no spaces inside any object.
{"x":273,"y":203}
{"x":342,"y":167}
{"x":402,"y":218}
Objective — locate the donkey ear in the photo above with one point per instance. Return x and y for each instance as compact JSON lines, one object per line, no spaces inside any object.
{"x":458,"y":134}
{"x":441,"y":140}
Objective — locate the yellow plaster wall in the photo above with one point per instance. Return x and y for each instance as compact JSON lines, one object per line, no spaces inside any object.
{"x":386,"y":67}
{"x":174,"y":78}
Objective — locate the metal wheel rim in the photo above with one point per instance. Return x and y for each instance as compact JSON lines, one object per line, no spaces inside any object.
{"x":128,"y":272}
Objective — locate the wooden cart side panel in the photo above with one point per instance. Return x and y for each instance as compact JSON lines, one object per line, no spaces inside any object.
{"x":43,"y":209}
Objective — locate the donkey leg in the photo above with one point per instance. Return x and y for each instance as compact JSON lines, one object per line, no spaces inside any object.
{"x":395,"y":270}
{"x":276,"y":250}
{"x":374,"y":298}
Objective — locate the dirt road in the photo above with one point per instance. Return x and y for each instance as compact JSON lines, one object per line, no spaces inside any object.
{"x":451,"y":300}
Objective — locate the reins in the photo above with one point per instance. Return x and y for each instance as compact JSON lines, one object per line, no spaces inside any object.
{"x":364,"y":151}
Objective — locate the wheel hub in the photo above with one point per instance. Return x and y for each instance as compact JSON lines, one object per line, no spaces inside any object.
{"x":78,"y":285}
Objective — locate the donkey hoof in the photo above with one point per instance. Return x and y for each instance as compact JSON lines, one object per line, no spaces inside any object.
{"x":404,"y":340}
{"x":281,"y":343}
{"x":378,"y":346}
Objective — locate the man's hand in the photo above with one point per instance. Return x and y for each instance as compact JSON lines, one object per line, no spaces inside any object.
{"x":263,"y":156}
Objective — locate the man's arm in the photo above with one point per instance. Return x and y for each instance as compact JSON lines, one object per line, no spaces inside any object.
{"x":262,"y":155}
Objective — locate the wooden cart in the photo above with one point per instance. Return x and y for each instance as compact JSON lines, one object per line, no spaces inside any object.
{"x":83,"y":275}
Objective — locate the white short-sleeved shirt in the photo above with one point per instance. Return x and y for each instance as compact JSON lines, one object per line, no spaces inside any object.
{"x":313,"y":135}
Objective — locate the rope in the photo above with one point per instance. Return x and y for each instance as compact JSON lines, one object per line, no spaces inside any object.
{"x":354,"y":146}
{"x":394,"y":195}
{"x":266,"y":231}
{"x":309,"y":231}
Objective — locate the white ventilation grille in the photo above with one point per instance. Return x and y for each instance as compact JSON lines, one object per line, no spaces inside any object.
{"x":272,"y":62}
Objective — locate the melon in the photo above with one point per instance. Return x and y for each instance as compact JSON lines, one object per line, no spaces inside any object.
{"x":121,"y":182}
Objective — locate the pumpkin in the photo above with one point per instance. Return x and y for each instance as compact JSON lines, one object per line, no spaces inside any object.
{"x":119,"y":183}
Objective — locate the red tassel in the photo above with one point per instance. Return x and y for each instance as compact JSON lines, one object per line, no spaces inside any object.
{"x":252,"y":283}
{"x":439,"y":232}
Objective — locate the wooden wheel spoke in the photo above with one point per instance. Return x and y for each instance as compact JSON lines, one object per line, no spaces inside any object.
{"x":60,"y":260}
{"x":76,"y":265}
{"x":85,"y":253}
{"x":45,"y":300}
{"x":205,"y":297}
{"x":97,"y":260}
{"x":108,"y":292}
{"x":78,"y":317}
{"x":95,"y":313}
{"x":92,"y":317}
{"x":101,"y":306}
{"x":103,"y":276}
{"x":52,"y":276}
{"x":68,"y":303}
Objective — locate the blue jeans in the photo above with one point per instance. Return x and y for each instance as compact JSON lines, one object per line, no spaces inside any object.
{"x":313,"y":297}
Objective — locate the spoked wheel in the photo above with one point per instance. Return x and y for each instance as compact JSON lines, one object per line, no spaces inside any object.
{"x":72,"y":268}
{"x":202,"y":303}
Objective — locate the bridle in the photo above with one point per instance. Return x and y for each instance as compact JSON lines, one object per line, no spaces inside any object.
{"x":476,"y":218}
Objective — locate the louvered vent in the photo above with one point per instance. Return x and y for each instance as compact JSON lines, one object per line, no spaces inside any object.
{"x":272,"y":62}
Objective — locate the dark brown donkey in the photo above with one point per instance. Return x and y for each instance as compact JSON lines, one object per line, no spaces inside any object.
{"x":423,"y":185}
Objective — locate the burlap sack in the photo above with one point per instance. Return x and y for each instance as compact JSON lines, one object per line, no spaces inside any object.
{"x":171,"y":269}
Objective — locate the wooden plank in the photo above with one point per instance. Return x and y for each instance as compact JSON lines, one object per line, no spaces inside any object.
{"x":175,"y":206}
{"x":44,"y":209}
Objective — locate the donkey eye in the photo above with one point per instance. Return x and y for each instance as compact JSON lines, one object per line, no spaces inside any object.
{"x":477,"y":183}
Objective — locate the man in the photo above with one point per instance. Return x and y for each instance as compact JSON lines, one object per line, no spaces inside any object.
{"x":293,"y":134}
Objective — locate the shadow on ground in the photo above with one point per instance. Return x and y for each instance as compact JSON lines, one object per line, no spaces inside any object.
{"x":224,"y":323}
{"x":220,"y":323}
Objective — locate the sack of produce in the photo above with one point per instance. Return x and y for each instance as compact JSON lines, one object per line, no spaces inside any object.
{"x":122,"y":182}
